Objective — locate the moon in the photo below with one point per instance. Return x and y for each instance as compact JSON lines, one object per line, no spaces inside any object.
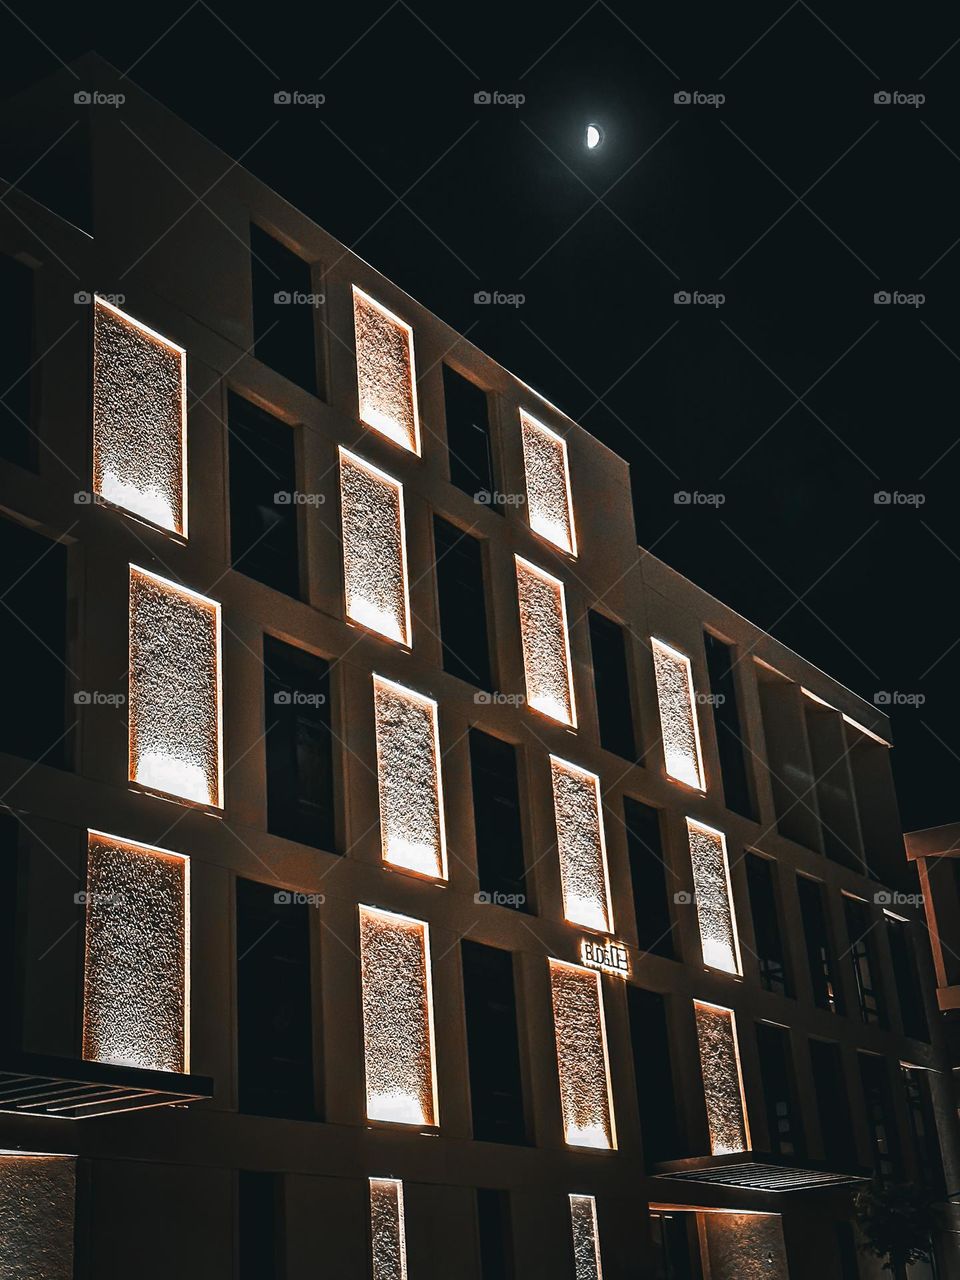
{"x":593,"y":137}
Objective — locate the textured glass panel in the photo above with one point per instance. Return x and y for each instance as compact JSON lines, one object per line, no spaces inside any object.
{"x":397,"y":1018}
{"x":136,"y":994}
{"x":139,"y":419}
{"x":175,"y":730}
{"x":37,"y":1197}
{"x":714,"y":897}
{"x":549,"y":503}
{"x":744,"y":1246}
{"x":546,"y":645}
{"x":386,"y":374}
{"x":581,"y":1034}
{"x":408,"y":770}
{"x":388,"y":1234}
{"x":581,"y":846}
{"x":374,"y":548}
{"x":678,"y":714}
{"x":586,"y":1238}
{"x":722,"y":1084}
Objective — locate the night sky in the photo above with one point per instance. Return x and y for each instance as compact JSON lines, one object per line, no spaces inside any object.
{"x":798,"y":198}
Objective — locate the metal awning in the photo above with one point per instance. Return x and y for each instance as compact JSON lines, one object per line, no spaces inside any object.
{"x":757,"y":1171}
{"x":73,"y":1089}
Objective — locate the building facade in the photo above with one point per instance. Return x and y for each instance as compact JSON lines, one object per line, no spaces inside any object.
{"x":406,"y":875}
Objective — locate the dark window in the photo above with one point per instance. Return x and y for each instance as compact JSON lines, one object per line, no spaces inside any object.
{"x":493,"y":1044}
{"x":676,"y":1250}
{"x":880,"y":1116}
{"x":299,"y":745}
{"x":860,"y":925}
{"x":468,"y":436}
{"x":779,"y":1090}
{"x":612,"y":686}
{"x":653,"y":1073}
{"x":496,"y":815}
{"x":274,"y":1014}
{"x":257,"y":1234}
{"x":907,"y":977}
{"x":463,"y":607}
{"x":33,"y":633}
{"x":18,"y":381}
{"x":923,"y":1127}
{"x":283,"y":328}
{"x":826,"y":993}
{"x":263,"y":510}
{"x":495,"y":1232}
{"x":726,"y":718}
{"x":765,"y":910}
{"x":648,"y":875}
{"x":833,"y":1109}
{"x":847,"y":1252}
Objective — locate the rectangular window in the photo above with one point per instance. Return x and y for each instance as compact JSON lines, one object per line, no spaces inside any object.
{"x":388,"y":1236}
{"x":722,"y":1080}
{"x":495,"y":1232}
{"x":611,"y":685}
{"x":398,"y":1037}
{"x":37,"y":1215}
{"x":860,"y":924}
{"x":648,"y":876}
{"x":461,"y":595}
{"x":881,"y":1118}
{"x":549,"y":502}
{"x":258,"y":1238}
{"x":820,"y":953}
{"x":581,"y":846}
{"x":136,"y":983}
{"x":654,"y":1074}
{"x":833,"y":1105}
{"x":679,"y":726}
{"x":386,"y":372}
{"x":907,"y":978}
{"x":586,"y":1238}
{"x":374,"y":549}
{"x":726,"y":718}
{"x":274,"y":1003}
{"x":284,"y":306}
{"x":923,"y":1126}
{"x":546,"y":643}
{"x":847,"y":1252}
{"x":493,"y":1044}
{"x":582,"y":1063}
{"x":468,"y":438}
{"x":496,"y":817}
{"x":676,"y":1246}
{"x":263,"y":490}
{"x":298,"y":740}
{"x":408,"y":771}
{"x":139,"y":419}
{"x":33,"y":628}
{"x":765,"y":911}
{"x":20,"y":383}
{"x":784,"y":1124}
{"x":713,"y":896}
{"x":176,"y":743}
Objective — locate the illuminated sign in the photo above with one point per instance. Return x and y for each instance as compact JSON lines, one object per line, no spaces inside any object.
{"x":609,"y":956}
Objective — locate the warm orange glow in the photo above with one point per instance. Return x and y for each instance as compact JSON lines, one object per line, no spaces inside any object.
{"x":679,"y":726}
{"x":546,"y":643}
{"x":374,"y":548}
{"x":583,"y":1066}
{"x":386,"y":372}
{"x":722,"y":1079}
{"x":549,"y":501}
{"x":581,"y":845}
{"x":586,"y":1238}
{"x":388,"y":1234}
{"x":713,"y":895}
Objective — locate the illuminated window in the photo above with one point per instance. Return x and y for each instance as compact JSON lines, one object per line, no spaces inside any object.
{"x":139,"y":419}
{"x":581,"y":846}
{"x":37,"y":1209}
{"x":386,"y":372}
{"x":401,"y":1071}
{"x":722,"y":1081}
{"x":136,"y":986}
{"x":411,"y":790}
{"x":388,"y":1235}
{"x":582,"y":1063}
{"x":586,"y":1238}
{"x":714,"y":897}
{"x":678,"y":715}
{"x":549,"y":503}
{"x":374,"y":548}
{"x":546,"y":644}
{"x":175,"y":717}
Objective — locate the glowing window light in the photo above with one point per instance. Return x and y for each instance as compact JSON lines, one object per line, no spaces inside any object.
{"x":136,"y":984}
{"x":582,"y":1063}
{"x":401,"y":1073}
{"x":139,"y":419}
{"x":581,"y":845}
{"x":408,"y":771}
{"x":714,"y":897}
{"x":388,"y":1235}
{"x":679,"y":727}
{"x":386,"y":372}
{"x":176,"y":743}
{"x":546,"y":644}
{"x":374,"y":549}
{"x":742,"y":1246}
{"x":37,"y":1211}
{"x":586,"y":1238}
{"x":722,"y":1081}
{"x":549,"y":501}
